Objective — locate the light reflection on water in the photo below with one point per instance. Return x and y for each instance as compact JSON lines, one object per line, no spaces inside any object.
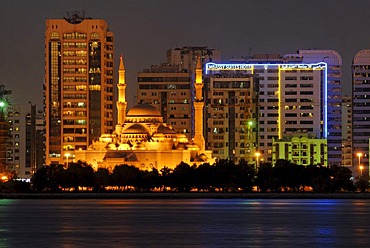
{"x":184,"y":223}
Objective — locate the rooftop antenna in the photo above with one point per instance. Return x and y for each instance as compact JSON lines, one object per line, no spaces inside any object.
{"x":249,"y":52}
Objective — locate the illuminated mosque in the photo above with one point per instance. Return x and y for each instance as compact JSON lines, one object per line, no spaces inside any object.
{"x":142,"y":139}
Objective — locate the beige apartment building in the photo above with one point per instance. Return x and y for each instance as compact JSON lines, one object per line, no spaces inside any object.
{"x":170,"y":90}
{"x":79,"y":84}
{"x":231,"y":118}
{"x":186,"y":57}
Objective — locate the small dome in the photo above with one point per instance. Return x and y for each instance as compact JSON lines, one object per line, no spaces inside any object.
{"x":111,"y":146}
{"x":145,"y":110}
{"x":203,"y":157}
{"x":165,"y":130}
{"x":135,"y":129}
{"x":138,"y":146}
{"x":124,"y":146}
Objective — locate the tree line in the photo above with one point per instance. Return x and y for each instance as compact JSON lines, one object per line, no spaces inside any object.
{"x":222,"y":176}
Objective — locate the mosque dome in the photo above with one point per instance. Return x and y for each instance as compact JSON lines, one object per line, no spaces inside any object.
{"x":138,"y":146}
{"x":136,"y":129}
{"x":145,"y":110}
{"x":165,"y":130}
{"x":203,"y":157}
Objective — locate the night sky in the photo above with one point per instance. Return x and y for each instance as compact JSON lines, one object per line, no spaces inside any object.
{"x":145,"y":29}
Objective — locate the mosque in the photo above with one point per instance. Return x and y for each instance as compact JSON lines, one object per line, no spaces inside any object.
{"x":142,"y":139}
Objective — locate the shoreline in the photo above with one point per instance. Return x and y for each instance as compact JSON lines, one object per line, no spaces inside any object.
{"x":191,"y":195}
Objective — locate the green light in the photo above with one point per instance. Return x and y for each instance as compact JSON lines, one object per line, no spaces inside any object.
{"x":250,"y":123}
{"x":2,"y":104}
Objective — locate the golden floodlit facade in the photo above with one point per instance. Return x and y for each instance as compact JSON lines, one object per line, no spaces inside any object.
{"x":78,"y":83}
{"x":142,"y":139}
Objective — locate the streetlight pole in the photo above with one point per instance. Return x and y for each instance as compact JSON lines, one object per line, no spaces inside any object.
{"x":67,"y":156}
{"x":258,"y":154}
{"x":359,"y":155}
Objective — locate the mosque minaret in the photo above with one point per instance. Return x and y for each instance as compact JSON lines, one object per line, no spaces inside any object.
{"x":198,"y":107}
{"x":121,"y":103}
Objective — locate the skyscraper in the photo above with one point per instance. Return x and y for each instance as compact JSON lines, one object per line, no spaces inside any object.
{"x":26,"y":134}
{"x":231,"y":114}
{"x":360,"y":106}
{"x":347,"y":153}
{"x":186,"y":57}
{"x":79,"y":84}
{"x":292,"y":97}
{"x":5,"y":142}
{"x":334,"y":98}
{"x":326,"y":89}
{"x":170,"y":90}
{"x":170,"y":86}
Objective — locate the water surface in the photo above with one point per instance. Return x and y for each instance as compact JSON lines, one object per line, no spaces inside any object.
{"x":184,"y":223}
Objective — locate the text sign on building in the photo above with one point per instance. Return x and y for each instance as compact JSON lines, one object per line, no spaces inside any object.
{"x":244,"y":67}
{"x":227,"y":67}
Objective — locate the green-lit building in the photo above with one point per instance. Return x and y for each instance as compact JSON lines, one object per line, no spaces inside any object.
{"x":301,"y":149}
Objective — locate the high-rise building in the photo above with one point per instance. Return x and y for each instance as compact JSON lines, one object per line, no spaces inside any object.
{"x":171,"y":91}
{"x":231,"y":114}
{"x":347,"y":152}
{"x":170,"y":86}
{"x":5,"y":142}
{"x":79,"y":84}
{"x":360,"y":107}
{"x":334,"y":98}
{"x":26,"y":135}
{"x":186,"y":57}
{"x":292,"y":97}
{"x":330,"y":92}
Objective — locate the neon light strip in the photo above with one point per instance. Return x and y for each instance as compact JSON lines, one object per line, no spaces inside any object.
{"x":326,"y":101}
{"x":245,"y":67}
{"x":222,"y":67}
{"x":318,"y":66}
{"x":280,"y":131}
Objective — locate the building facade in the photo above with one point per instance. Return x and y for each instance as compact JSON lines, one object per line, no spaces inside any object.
{"x":360,"y":107}
{"x":302,"y":150}
{"x":26,"y":152}
{"x":186,"y":57}
{"x":5,"y":138}
{"x":171,"y":91}
{"x":334,"y":98}
{"x":231,"y":117}
{"x":292,"y":97}
{"x":347,"y":152}
{"x":79,"y":84}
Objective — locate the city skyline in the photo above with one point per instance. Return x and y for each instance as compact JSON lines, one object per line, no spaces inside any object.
{"x":144,"y":30}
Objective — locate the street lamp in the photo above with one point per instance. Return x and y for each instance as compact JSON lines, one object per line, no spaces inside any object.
{"x":67,"y":156}
{"x":359,"y":155}
{"x":257,"y":154}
